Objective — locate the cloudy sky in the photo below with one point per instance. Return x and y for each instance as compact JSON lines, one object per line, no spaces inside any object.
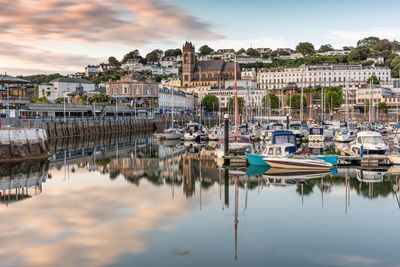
{"x":47,"y":36}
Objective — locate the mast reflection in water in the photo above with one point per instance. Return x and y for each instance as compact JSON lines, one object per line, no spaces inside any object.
{"x":128,"y":200}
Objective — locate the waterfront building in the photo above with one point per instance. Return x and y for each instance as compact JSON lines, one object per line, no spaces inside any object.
{"x":205,"y":73}
{"x":246,"y":89}
{"x":143,"y":92}
{"x":60,"y":87}
{"x":320,"y":75}
{"x":180,"y":100}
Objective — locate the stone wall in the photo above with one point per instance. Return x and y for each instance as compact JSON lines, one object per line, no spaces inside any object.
{"x":90,"y":127}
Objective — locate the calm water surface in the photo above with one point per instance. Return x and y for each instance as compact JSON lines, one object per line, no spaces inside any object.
{"x":135,"y":202}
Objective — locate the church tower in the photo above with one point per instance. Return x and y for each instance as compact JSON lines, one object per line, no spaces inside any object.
{"x":188,"y":63}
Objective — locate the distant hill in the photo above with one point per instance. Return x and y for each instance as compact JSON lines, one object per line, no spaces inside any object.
{"x":41,"y":78}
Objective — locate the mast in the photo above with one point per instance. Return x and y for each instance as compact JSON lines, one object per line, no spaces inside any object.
{"x":301,"y":102}
{"x":347,"y":101}
{"x":172,"y":109}
{"x":236,"y":103}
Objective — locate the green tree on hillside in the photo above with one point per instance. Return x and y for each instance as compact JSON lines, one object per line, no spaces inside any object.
{"x":325,"y":48}
{"x":114,"y":61}
{"x":205,"y":50}
{"x":305,"y":48}
{"x":368,"y":42}
{"x":173,"y":52}
{"x":154,"y":56}
{"x":252,"y":52}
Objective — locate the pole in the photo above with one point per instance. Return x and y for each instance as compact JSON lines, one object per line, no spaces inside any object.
{"x":226,"y":138}
{"x":301,"y":100}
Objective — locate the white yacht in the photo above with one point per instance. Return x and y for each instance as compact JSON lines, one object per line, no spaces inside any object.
{"x":345,"y":135}
{"x":216,"y":134}
{"x":195,"y":132}
{"x":298,"y":163}
{"x":173,"y":133}
{"x":369,"y":143}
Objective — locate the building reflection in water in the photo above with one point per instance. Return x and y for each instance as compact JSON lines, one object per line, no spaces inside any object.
{"x":23,"y":180}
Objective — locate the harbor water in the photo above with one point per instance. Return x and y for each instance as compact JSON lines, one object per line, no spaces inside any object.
{"x":139,"y":202}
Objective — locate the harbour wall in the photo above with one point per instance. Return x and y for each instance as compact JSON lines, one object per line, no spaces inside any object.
{"x":96,"y":127}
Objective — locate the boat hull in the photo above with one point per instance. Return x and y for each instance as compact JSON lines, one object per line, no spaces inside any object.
{"x":256,"y":159}
{"x":297,"y":164}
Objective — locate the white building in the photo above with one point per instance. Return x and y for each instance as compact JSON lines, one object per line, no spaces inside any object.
{"x":334,"y":53}
{"x":249,"y":74}
{"x":248,"y":59}
{"x":91,"y":69}
{"x":103,"y":67}
{"x":252,"y":97}
{"x":292,"y":56}
{"x":377,"y":60}
{"x":176,"y":99}
{"x":321,"y":75}
{"x":59,"y":87}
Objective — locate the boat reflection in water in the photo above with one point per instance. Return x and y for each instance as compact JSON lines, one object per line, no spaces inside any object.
{"x":22,"y":180}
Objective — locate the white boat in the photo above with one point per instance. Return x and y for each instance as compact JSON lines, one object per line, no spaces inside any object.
{"x":316,"y":134}
{"x":369,"y":143}
{"x":345,"y":136}
{"x":170,"y":134}
{"x":195,"y":132}
{"x":394,"y":159}
{"x":216,"y":134}
{"x":298,"y":163}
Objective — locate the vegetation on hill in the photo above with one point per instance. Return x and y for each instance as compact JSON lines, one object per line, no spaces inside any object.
{"x":41,"y":78}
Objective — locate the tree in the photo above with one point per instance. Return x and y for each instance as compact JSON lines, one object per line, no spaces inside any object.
{"x":366,"y":105}
{"x":241,"y":51}
{"x":347,"y":48}
{"x":173,"y":52}
{"x":252,"y":52}
{"x":231,"y":103}
{"x":373,"y":79}
{"x":395,"y":67}
{"x":325,"y":48}
{"x":114,"y":61}
{"x":305,"y":48}
{"x":368,"y":42}
{"x":295,"y":101}
{"x":384,"y":45}
{"x":210,"y":102}
{"x":353,"y":56}
{"x":333,"y":97}
{"x":135,"y":56}
{"x":395,"y":45}
{"x":275,"y":102}
{"x":205,"y":50}
{"x":383,"y":107}
{"x":154,"y":56}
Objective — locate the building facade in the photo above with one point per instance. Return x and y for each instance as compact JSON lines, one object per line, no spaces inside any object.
{"x":145,"y":92}
{"x":60,"y":87}
{"x":204,"y":73}
{"x":320,"y":75}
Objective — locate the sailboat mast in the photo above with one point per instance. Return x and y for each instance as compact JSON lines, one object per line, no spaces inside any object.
{"x":236,"y":102}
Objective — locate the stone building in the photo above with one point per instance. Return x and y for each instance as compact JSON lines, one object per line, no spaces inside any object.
{"x":205,"y":73}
